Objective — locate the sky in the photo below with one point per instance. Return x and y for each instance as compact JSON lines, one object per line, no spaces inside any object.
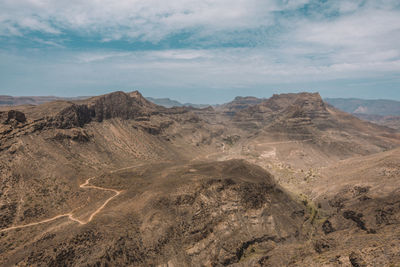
{"x":200,"y":51}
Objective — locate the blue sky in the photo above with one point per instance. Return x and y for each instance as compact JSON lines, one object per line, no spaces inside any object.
{"x":200,"y":51}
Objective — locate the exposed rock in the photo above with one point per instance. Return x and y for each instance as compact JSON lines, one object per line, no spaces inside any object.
{"x":355,"y":217}
{"x":321,"y":245}
{"x":15,"y":116}
{"x":221,"y":221}
{"x":7,"y":212}
{"x":327,"y":227}
{"x":239,"y":103}
{"x":231,"y":139}
{"x":73,"y":116}
{"x":356,"y":260}
{"x":114,"y":105}
{"x":77,"y":135}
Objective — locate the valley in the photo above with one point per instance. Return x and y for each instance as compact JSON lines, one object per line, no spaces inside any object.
{"x":116,"y":180}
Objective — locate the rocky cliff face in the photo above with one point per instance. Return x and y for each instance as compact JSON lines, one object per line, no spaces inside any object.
{"x":114,"y":105}
{"x":239,"y":103}
{"x":301,"y":111}
{"x":308,"y":105}
{"x":286,"y":111}
{"x":292,"y":105}
{"x":68,"y":118}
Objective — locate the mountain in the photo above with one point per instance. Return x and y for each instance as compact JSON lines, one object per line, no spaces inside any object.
{"x":239,"y":103}
{"x":369,"y":107}
{"x":382,"y":112}
{"x":178,"y":215}
{"x":6,"y":100}
{"x":329,"y":132}
{"x":166,"y":102}
{"x":117,"y":180}
{"x":388,"y":121}
{"x":169,"y":103}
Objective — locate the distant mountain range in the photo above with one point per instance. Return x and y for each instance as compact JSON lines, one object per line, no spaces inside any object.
{"x":169,"y":103}
{"x":383,"y":112}
{"x":6,"y":100}
{"x":370,"y":107}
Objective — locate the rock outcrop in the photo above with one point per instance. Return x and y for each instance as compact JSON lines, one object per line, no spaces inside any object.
{"x":114,"y":105}
{"x":15,"y":116}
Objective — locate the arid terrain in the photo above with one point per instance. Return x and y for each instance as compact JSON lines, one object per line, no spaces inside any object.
{"x":116,"y":180}
{"x":382,"y":112}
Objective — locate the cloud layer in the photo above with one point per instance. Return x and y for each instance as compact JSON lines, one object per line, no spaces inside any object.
{"x":199,"y":43}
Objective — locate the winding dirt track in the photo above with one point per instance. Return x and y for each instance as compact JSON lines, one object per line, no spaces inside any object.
{"x":70,"y":214}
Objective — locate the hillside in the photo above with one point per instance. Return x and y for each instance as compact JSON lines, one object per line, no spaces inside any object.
{"x":312,"y":127}
{"x":388,"y":121}
{"x":381,"y":112}
{"x":368,"y":107}
{"x":118,"y":180}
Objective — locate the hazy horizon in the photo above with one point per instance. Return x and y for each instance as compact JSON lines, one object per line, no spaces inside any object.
{"x":193,"y":102}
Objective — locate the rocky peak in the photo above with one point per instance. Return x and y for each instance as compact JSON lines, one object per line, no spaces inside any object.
{"x":309,"y":105}
{"x":114,"y":105}
{"x":287,"y":112}
{"x":279,"y":102}
{"x":240,"y":103}
{"x":247,"y":101}
{"x":137,"y":95}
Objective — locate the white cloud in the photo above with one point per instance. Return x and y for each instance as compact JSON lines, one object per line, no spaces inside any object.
{"x":363,"y":27}
{"x":146,"y":19}
{"x":48,"y":42}
{"x":228,"y":66}
{"x":98,"y":56}
{"x":35,"y":24}
{"x":338,"y":40}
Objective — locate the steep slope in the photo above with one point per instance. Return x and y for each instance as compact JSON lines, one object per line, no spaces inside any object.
{"x":305,"y":116}
{"x":388,"y":121}
{"x":238,"y":104}
{"x":185,"y":215}
{"x":47,"y":151}
{"x":359,"y":207}
{"x":118,"y":180}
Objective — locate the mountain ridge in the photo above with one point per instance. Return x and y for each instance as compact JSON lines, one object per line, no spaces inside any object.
{"x":240,"y":184}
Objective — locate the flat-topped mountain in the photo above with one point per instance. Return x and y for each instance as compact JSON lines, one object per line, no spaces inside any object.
{"x":306,"y":116}
{"x":308,"y":105}
{"x":117,"y":104}
{"x":239,"y":103}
